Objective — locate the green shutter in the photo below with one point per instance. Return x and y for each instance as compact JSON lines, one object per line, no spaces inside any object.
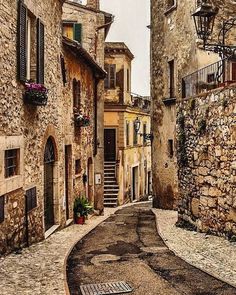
{"x":78,"y":32}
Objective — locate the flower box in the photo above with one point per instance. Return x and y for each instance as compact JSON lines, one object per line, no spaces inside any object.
{"x":35,"y":94}
{"x":81,"y":120}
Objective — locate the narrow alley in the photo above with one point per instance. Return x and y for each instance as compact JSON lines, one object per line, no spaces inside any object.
{"x":129,"y":249}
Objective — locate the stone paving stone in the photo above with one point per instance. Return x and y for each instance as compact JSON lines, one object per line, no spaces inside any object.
{"x":39,"y":269}
{"x":214,"y":255}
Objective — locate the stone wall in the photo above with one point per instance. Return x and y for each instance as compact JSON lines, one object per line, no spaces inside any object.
{"x":173,"y":37}
{"x":207,"y":161}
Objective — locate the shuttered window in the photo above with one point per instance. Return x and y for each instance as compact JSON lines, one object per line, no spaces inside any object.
{"x":144,"y":133}
{"x":110,"y":81}
{"x":76,"y":94}
{"x":31,"y":199}
{"x":2,"y":201}
{"x":63,"y":70}
{"x":78,"y":32}
{"x":40,"y":52}
{"x":22,"y":42}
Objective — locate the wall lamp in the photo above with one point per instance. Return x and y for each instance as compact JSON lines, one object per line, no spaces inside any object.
{"x":204,"y":19}
{"x":137,"y":125}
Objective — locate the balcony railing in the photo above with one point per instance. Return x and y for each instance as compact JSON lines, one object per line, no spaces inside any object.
{"x":213,"y":76}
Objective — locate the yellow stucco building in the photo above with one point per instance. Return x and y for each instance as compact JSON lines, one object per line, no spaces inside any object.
{"x":127,"y":152}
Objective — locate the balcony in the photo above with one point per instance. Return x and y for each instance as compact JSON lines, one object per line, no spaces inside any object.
{"x":219,"y":74}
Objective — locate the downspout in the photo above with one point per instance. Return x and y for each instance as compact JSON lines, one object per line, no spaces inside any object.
{"x":96,"y":143}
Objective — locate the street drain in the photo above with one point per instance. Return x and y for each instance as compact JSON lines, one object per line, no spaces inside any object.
{"x":105,"y":288}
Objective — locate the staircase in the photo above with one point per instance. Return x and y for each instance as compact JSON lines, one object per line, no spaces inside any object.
{"x":111,"y":188}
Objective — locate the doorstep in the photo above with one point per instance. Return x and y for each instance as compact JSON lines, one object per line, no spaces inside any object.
{"x":51,"y":230}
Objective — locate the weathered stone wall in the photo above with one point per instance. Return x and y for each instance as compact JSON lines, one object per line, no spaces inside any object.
{"x":28,"y":122}
{"x":173,"y":37}
{"x":207,"y":161}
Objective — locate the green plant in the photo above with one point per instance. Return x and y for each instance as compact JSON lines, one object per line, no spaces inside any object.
{"x":182,"y":154}
{"x":82,"y":207}
{"x":192,"y":104}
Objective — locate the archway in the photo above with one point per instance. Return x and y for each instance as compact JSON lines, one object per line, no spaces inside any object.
{"x":49,"y":160}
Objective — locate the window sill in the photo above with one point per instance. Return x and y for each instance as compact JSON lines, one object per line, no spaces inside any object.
{"x":169,"y":10}
{"x":169,"y":101}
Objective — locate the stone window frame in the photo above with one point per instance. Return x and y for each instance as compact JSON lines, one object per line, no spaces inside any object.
{"x":15,"y":182}
{"x":170,"y":8}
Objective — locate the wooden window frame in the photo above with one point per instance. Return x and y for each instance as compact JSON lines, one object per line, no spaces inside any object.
{"x":110,"y":82}
{"x":31,"y":199}
{"x":14,"y":165}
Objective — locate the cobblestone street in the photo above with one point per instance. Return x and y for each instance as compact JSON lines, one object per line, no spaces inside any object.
{"x":40,"y":268}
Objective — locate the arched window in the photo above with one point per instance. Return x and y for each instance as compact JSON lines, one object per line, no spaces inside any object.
{"x":49,"y":153}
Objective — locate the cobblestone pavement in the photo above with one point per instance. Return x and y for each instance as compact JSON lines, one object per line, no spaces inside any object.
{"x":214,"y":255}
{"x":40,"y":268}
{"x":127,"y":247}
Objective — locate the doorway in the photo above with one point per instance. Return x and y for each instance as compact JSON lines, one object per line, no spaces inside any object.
{"x":49,"y":160}
{"x":135,"y":183}
{"x":68,"y":155}
{"x":110,"y":144}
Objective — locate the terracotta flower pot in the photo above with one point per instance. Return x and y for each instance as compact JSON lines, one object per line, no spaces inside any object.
{"x":80,"y":220}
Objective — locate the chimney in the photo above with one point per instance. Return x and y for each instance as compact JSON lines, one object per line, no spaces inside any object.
{"x":93,"y":4}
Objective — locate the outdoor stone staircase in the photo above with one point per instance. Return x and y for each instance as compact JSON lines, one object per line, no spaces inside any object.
{"x":111,"y":188}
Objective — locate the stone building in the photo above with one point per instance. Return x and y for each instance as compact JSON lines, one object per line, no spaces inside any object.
{"x":127,"y":153}
{"x":184,"y":77}
{"x":90,"y":26}
{"x":47,"y":151}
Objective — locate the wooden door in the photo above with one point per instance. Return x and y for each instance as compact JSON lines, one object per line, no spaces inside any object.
{"x":110,"y":144}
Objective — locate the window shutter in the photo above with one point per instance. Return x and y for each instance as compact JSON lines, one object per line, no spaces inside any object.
{"x":78,"y":32}
{"x":22,"y":42}
{"x":112,"y":76}
{"x":106,"y":81}
{"x":40,"y":52}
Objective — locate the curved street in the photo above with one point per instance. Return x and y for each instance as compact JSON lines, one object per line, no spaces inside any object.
{"x":127,"y":247}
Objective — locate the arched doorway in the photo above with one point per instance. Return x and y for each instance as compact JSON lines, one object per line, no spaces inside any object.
{"x":49,"y":160}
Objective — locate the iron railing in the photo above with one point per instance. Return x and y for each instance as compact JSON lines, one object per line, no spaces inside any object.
{"x":213,"y":76}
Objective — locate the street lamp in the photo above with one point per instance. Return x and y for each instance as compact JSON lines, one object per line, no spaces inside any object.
{"x":204,"y":18}
{"x":137,"y":125}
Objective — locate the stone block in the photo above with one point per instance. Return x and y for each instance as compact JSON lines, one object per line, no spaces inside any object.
{"x":232,"y":214}
{"x":195,"y":206}
{"x":214,"y":192}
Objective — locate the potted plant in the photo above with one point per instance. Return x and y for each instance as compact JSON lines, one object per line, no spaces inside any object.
{"x":35,"y":94}
{"x":81,"y":119}
{"x":82,"y":208}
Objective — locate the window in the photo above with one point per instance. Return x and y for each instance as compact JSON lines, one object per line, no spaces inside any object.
{"x":30,"y":46}
{"x":128,"y":81}
{"x":2,"y":201}
{"x":78,"y":168}
{"x":127,"y":133}
{"x":210,"y":78}
{"x":31,"y":199}
{"x":171,"y":79}
{"x":73,"y":31}
{"x":135,"y":135}
{"x":110,"y":81}
{"x":233,"y":71}
{"x":144,"y":133}
{"x":170,"y":148}
{"x":76,"y":94}
{"x":11,"y":162}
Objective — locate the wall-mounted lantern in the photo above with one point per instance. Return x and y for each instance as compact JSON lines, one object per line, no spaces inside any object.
{"x":137,"y":125}
{"x":204,"y":19}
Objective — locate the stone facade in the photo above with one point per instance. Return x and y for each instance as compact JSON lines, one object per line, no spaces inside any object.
{"x":176,"y":52}
{"x":207,"y":176}
{"x":50,"y":160}
{"x":133,"y":157}
{"x":95,"y":26}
